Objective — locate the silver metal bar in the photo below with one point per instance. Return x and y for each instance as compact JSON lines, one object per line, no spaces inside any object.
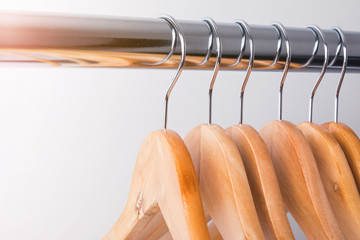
{"x":101,"y":41}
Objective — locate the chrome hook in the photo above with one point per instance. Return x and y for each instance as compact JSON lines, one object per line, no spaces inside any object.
{"x":314,"y":52}
{"x":278,"y":48}
{"x":172,"y":47}
{"x":180,"y":34}
{"x":320,"y":34}
{"x":338,"y":49}
{"x":343,"y":69}
{"x":215,"y":32}
{"x":210,"y":47}
{"x":247,"y":32}
{"x":285,"y":37}
{"x":242,"y":47}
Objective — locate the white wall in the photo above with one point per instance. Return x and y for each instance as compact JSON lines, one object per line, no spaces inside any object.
{"x":69,"y":137}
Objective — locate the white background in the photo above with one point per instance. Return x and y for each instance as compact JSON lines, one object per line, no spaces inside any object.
{"x":69,"y":137}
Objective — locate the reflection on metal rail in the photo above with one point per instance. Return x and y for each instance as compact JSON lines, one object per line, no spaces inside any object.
{"x":98,"y":41}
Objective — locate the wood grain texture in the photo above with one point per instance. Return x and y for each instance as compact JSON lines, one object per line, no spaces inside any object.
{"x":223,"y":182}
{"x":214,"y":232}
{"x":350,"y":144}
{"x":300,"y":183}
{"x":263,"y":182}
{"x":164,"y":191}
{"x":336,"y":177}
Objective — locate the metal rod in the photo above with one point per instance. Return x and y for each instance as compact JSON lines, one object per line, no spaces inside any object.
{"x":102,"y":41}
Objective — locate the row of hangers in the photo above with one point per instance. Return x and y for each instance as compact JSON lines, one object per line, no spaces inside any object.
{"x":237,"y":183}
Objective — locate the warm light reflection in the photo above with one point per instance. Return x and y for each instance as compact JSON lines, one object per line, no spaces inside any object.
{"x":91,"y":58}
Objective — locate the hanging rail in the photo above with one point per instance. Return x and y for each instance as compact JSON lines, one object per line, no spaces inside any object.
{"x":98,"y":41}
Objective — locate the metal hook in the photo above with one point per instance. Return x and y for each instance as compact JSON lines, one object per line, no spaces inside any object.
{"x":314,"y":52}
{"x":215,"y":32}
{"x":210,"y":47}
{"x":343,"y":69}
{"x":318,"y":32}
{"x":285,"y":37}
{"x":242,"y":48}
{"x":245,"y":27}
{"x":172,"y":47}
{"x":338,"y":50}
{"x":278,"y":49}
{"x":180,"y":34}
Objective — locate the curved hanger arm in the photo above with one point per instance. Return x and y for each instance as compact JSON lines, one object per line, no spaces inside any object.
{"x":263,"y":182}
{"x":164,"y":190}
{"x":300,"y":183}
{"x":224,"y":187}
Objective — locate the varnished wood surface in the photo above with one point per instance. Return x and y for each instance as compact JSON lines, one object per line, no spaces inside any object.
{"x":164,"y":191}
{"x":300,"y":182}
{"x":263,"y":182}
{"x":223,"y":183}
{"x":214,"y":232}
{"x":350,"y":144}
{"x":336,"y":177}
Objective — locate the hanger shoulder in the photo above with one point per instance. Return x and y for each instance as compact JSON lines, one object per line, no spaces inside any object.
{"x":299,"y":179}
{"x":164,"y":187}
{"x":179,"y":195}
{"x":263,"y":182}
{"x":141,"y":208}
{"x":350,"y":144}
{"x":223,"y":182}
{"x":337,"y":178}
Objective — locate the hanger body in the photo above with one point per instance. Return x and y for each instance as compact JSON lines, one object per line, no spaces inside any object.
{"x":263,"y":182}
{"x":350,"y":144}
{"x":224,"y":187}
{"x":213,"y":231}
{"x":299,"y":179}
{"x":164,"y":192}
{"x":337,"y":178}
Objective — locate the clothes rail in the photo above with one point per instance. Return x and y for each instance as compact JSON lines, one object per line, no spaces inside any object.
{"x":66,"y":40}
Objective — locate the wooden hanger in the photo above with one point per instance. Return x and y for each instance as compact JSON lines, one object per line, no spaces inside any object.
{"x":263,"y":182}
{"x":223,"y":182}
{"x":224,"y":187}
{"x":350,"y":144}
{"x":164,"y":187}
{"x":299,"y":179}
{"x":334,"y":170}
{"x":336,"y":177}
{"x":345,"y":136}
{"x":164,"y":193}
{"x":259,"y":167}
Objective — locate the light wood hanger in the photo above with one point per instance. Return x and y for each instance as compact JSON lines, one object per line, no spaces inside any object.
{"x":299,"y":179}
{"x":263,"y":182}
{"x":350,"y":144}
{"x":224,"y":187}
{"x":164,"y":192}
{"x":336,"y":177}
{"x":259,"y":167}
{"x":164,"y":187}
{"x":334,"y":169}
{"x":346,"y":137}
{"x":223,"y":182}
